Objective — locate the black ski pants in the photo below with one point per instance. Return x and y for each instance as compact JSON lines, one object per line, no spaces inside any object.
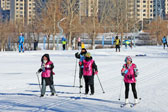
{"x":133,"y":85}
{"x":89,"y":82}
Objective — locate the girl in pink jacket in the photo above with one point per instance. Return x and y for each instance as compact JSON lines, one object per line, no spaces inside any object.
{"x":130,"y":72}
{"x":89,"y":70}
{"x":47,"y":74}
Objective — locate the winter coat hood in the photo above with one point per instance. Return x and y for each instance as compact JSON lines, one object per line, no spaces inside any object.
{"x":83,"y":53}
{"x":46,"y":55}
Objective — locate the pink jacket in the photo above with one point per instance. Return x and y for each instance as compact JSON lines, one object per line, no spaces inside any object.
{"x":87,"y":68}
{"x":47,"y":72}
{"x":129,"y":73}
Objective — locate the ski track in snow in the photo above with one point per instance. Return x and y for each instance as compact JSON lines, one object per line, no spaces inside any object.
{"x":19,"y":90}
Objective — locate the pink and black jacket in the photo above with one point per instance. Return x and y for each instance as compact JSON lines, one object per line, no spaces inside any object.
{"x":89,"y":67}
{"x":129,"y":72}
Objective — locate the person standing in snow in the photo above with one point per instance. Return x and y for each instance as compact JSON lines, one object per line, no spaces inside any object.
{"x":47,"y":74}
{"x":64,"y":42}
{"x":79,"y":43}
{"x":164,"y":41}
{"x":21,"y":43}
{"x":89,"y":70}
{"x":130,"y":72}
{"x":81,"y":56}
{"x":117,"y":43}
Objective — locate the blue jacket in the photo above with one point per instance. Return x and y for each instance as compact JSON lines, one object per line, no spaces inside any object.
{"x":164,"y":40}
{"x":21,"y":39}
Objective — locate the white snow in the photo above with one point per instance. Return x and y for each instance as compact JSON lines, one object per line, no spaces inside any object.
{"x":19,"y":89}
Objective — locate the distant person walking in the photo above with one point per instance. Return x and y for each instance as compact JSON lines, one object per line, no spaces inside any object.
{"x":82,"y":45}
{"x":79,"y":43}
{"x":35,"y":44}
{"x":164,"y":41}
{"x":64,"y":43}
{"x":117,"y":43}
{"x":21,"y":43}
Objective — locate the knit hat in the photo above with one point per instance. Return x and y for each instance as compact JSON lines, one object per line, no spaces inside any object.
{"x":88,"y":54}
{"x":128,"y":58}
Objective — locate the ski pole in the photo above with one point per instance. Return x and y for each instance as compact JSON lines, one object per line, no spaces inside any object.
{"x":100,"y":84}
{"x":38,"y":80}
{"x":138,"y":89}
{"x":75,"y":73}
{"x":120,"y":90}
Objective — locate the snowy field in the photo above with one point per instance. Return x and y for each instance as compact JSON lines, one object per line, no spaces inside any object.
{"x":19,"y":89}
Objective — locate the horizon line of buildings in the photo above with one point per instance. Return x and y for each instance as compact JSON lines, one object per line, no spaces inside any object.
{"x":24,"y":10}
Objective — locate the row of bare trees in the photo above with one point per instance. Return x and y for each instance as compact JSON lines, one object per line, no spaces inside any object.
{"x":113,"y":17}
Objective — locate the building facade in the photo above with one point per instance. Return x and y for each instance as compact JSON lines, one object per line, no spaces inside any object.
{"x":89,"y":8}
{"x":22,"y":11}
{"x":145,"y":9}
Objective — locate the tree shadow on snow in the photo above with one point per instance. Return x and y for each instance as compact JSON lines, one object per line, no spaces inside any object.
{"x":93,"y":99}
{"x":21,"y":94}
{"x":59,"y":92}
{"x":18,"y":106}
{"x":34,"y":84}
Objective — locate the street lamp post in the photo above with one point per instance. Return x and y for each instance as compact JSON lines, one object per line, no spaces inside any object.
{"x":61,"y":31}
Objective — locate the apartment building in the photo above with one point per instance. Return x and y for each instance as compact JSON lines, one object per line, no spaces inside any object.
{"x":145,"y":9}
{"x":29,"y":11}
{"x":89,"y":7}
{"x":5,"y":4}
{"x":5,"y":9}
{"x":22,"y":11}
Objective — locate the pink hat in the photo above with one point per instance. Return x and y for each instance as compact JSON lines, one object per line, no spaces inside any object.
{"x":128,"y":58}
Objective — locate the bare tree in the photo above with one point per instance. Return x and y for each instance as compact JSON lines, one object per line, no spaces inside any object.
{"x":158,"y":28}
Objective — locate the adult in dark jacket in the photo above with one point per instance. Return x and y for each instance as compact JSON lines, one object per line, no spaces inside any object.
{"x":164,"y":41}
{"x":35,"y":44}
{"x":47,"y":74}
{"x":117,"y":43}
{"x":89,"y":70}
{"x":81,"y":57}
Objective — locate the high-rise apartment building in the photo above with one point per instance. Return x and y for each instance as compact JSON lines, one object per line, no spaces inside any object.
{"x":89,"y":7}
{"x":159,"y":8}
{"x":17,"y":10}
{"x":22,"y":11}
{"x":5,"y":4}
{"x":5,"y":9}
{"x":145,"y":9}
{"x":166,"y":7}
{"x":29,"y":11}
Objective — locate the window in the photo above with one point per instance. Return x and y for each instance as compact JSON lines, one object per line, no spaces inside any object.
{"x":144,"y":14}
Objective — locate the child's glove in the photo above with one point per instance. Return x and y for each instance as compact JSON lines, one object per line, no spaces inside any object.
{"x":126,"y":71}
{"x":80,"y":63}
{"x":96,"y":73}
{"x":47,"y":66}
{"x":123,"y":74}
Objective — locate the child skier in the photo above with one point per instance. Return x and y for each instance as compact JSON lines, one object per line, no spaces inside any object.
{"x":81,"y":56}
{"x":47,"y":74}
{"x":130,"y":72}
{"x":89,"y":70}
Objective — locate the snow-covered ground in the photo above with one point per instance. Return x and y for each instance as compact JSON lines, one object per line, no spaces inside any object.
{"x":19,"y":89}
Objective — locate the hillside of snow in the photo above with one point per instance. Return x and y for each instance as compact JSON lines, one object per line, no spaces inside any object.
{"x":19,"y":89}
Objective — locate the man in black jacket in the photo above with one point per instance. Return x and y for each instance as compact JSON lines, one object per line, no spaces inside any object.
{"x":81,"y":57}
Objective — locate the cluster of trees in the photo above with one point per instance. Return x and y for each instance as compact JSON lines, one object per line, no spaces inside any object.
{"x":113,"y":17}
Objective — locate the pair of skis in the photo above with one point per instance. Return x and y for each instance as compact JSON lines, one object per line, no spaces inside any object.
{"x":130,"y":105}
